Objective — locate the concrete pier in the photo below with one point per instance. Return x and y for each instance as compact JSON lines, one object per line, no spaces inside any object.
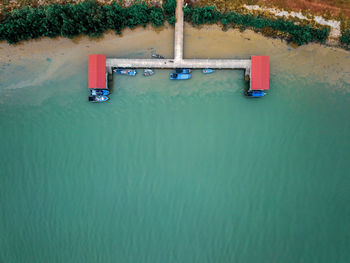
{"x":178,"y":61}
{"x":183,"y":63}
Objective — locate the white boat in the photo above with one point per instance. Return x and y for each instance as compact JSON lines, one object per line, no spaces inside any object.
{"x":148,"y":72}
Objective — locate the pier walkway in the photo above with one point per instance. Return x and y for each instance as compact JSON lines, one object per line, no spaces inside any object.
{"x":178,"y":61}
{"x":179,"y":31}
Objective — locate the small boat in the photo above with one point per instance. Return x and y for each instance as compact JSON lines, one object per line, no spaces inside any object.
{"x":207,"y":70}
{"x":130,"y":72}
{"x":155,"y":55}
{"x":255,"y":93}
{"x":183,"y":70}
{"x":148,"y":72}
{"x":99,"y":92}
{"x":180,"y":76}
{"x":98,"y":98}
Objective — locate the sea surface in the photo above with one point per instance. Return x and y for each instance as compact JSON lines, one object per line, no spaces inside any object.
{"x":176,"y":171}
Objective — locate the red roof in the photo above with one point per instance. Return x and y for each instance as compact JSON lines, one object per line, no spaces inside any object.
{"x":97,"y":71}
{"x":260,"y":71}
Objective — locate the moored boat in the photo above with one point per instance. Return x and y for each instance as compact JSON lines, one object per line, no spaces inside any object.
{"x":155,"y":55}
{"x":99,"y":92}
{"x":148,"y":72}
{"x":98,"y":98}
{"x":255,"y":93}
{"x":183,"y":70}
{"x":180,"y":76}
{"x":207,"y":70}
{"x":130,"y":72}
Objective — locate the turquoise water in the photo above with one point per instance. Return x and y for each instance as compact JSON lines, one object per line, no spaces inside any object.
{"x":173,"y":171}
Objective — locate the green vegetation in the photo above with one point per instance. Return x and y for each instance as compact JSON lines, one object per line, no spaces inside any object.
{"x":299,"y":34}
{"x":345,"y":38}
{"x":88,"y":18}
{"x":169,"y":8}
{"x":345,"y":31}
{"x":92,"y":19}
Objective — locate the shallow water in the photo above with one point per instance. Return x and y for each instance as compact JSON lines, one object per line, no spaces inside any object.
{"x":171,"y":171}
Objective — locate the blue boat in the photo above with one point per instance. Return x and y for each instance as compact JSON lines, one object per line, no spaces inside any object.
{"x":183,"y":70}
{"x":255,"y":93}
{"x":180,"y":76}
{"x":99,"y":92}
{"x":207,"y":70}
{"x":98,"y":98}
{"x":130,"y":72}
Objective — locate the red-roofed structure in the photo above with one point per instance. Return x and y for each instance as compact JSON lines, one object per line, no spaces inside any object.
{"x":97,"y":72}
{"x":259,"y":74}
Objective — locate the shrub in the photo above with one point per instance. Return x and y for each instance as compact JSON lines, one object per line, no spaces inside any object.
{"x":298,"y":33}
{"x":88,"y":18}
{"x":169,"y":8}
{"x":345,"y":38}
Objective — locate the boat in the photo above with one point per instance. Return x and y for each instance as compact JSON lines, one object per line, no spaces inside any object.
{"x":207,"y":70}
{"x":98,"y":98}
{"x":180,"y":76}
{"x":130,"y":72}
{"x":99,"y":92}
{"x":183,"y":70}
{"x":155,"y":55}
{"x":255,"y":93}
{"x":148,"y":72}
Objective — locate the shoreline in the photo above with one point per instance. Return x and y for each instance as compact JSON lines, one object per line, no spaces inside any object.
{"x":294,"y":24}
{"x":62,"y":55}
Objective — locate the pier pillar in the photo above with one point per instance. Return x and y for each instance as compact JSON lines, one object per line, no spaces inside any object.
{"x":247,"y":74}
